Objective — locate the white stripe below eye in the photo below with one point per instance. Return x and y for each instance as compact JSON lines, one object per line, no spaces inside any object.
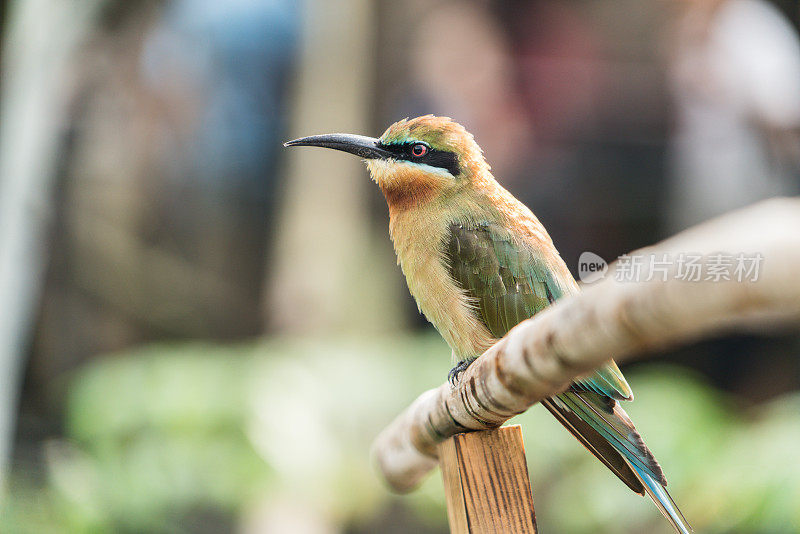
{"x":425,"y":167}
{"x":387,"y":165}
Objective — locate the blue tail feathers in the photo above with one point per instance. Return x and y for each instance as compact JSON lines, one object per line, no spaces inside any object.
{"x":663,"y":501}
{"x":600,"y":423}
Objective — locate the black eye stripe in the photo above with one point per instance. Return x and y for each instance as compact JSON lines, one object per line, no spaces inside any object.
{"x":442,"y":160}
{"x":435,"y":158}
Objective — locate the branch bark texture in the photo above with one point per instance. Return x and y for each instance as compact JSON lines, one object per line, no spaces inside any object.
{"x":612,"y":318}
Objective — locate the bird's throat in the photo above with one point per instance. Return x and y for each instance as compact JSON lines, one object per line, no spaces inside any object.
{"x":406,"y":186}
{"x":402,"y":197}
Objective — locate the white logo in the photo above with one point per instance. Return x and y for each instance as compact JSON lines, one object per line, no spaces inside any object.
{"x":591,"y":267}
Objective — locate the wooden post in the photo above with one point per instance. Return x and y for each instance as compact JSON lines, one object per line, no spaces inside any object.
{"x":486,"y":482}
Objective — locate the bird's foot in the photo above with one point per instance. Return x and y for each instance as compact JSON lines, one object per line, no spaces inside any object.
{"x":456,"y":371}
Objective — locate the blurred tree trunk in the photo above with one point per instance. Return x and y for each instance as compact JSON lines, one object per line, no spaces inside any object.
{"x":40,"y":37}
{"x":167,"y":182}
{"x":332,"y":272}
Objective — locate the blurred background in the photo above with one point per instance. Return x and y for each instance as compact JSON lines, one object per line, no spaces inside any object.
{"x":202,"y":332}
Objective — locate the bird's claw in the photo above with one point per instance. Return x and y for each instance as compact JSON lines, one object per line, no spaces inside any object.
{"x":456,"y":371}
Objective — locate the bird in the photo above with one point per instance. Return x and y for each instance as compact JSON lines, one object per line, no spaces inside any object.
{"x":478,"y":262}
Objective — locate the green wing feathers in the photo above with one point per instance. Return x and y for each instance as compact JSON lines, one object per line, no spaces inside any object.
{"x":510,"y":282}
{"x":607,"y":380}
{"x":507,"y":284}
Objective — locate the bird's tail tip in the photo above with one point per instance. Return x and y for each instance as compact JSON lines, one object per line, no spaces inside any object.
{"x":663,"y":500}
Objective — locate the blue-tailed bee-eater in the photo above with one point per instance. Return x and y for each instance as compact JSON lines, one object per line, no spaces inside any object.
{"x":478,"y":262}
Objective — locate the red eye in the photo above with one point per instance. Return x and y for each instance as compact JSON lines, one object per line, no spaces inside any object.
{"x":418,"y":150}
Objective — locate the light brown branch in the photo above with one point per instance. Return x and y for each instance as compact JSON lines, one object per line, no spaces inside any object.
{"x":610,"y":318}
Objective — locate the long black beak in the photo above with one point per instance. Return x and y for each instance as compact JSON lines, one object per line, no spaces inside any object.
{"x":360,"y":145}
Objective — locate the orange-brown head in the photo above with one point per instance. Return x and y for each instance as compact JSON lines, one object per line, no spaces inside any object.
{"x":415,"y":160}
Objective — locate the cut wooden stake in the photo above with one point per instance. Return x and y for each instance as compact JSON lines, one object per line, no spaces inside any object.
{"x":486,"y":482}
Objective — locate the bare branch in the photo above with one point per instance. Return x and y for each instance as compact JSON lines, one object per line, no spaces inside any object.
{"x":610,"y":318}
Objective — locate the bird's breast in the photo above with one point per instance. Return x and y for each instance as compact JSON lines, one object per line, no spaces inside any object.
{"x":418,"y":236}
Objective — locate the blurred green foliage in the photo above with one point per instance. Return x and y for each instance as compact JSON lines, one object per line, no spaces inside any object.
{"x":199,"y":438}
